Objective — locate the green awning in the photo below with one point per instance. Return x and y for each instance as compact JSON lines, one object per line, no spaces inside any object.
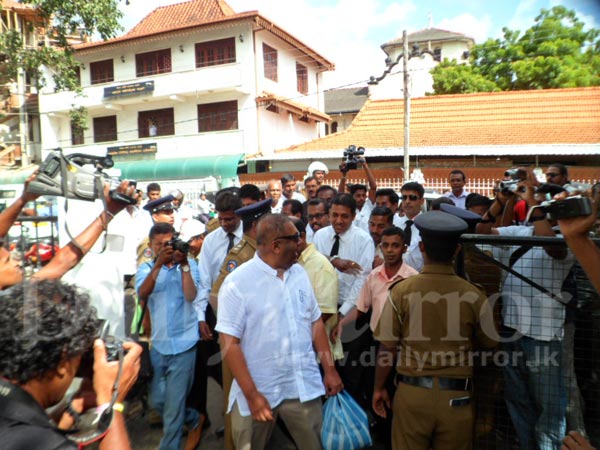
{"x":180,"y":169}
{"x":162,"y":169}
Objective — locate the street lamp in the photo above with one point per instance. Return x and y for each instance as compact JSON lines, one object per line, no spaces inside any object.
{"x":405,"y":56}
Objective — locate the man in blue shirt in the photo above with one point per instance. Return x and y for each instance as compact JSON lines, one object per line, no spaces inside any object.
{"x":169,"y":285}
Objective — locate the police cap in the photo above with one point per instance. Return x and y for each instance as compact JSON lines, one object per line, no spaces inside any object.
{"x":255,"y":210}
{"x":160,"y":204}
{"x":439,"y":225}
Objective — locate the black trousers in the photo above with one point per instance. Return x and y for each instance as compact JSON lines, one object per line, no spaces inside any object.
{"x":208,"y":363}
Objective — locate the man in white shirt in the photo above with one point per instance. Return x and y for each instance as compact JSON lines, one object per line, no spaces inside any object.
{"x":365,"y":199}
{"x":317,"y":216}
{"x":413,"y":198}
{"x":269,"y":336}
{"x":288,"y":186}
{"x":351,"y":251}
{"x":457,"y":181}
{"x":274,"y":193}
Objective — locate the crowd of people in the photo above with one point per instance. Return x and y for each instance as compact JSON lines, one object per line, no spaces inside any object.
{"x":292,"y":294}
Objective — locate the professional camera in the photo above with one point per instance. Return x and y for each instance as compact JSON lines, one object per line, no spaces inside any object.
{"x":351,"y":155}
{"x":179,"y":245}
{"x":65,"y":176}
{"x":562,"y":209}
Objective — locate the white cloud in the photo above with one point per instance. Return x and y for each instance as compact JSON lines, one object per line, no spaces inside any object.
{"x":478,"y":28}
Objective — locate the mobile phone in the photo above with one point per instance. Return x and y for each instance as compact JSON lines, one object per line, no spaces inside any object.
{"x":133,"y":183}
{"x":461,"y":401}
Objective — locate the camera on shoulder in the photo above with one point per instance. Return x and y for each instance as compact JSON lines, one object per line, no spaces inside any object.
{"x":67,"y":176}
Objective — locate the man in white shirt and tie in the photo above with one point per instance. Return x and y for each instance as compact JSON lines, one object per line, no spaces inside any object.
{"x":413,"y":198}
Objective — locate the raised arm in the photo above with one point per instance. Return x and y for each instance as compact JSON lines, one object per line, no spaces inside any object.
{"x":10,"y":214}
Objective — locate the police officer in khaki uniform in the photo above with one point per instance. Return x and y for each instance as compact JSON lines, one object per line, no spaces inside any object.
{"x":432,"y":323}
{"x":238,"y":255}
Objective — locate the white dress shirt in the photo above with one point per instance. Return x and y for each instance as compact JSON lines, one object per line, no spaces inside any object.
{"x":355,"y":245}
{"x":273,"y":320}
{"x":362,"y":217}
{"x":525,"y":308}
{"x":459,"y":201}
{"x":413,"y":256}
{"x":212,"y":255}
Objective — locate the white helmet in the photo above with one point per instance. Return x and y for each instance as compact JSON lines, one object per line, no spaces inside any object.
{"x":317,"y":165}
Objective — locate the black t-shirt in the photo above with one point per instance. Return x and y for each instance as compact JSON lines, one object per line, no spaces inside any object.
{"x":24,"y":425}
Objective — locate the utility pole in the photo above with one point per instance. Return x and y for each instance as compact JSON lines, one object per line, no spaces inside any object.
{"x":406,"y":107}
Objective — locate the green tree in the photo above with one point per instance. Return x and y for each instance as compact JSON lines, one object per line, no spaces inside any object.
{"x":555,"y":52}
{"x":60,"y":19}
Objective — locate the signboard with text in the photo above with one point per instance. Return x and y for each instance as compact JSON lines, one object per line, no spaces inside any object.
{"x":125,"y":90}
{"x":138,"y":149}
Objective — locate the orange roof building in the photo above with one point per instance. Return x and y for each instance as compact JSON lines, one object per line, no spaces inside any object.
{"x":519,"y":125}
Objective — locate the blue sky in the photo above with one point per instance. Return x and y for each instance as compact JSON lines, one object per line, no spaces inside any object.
{"x":350,"y":32}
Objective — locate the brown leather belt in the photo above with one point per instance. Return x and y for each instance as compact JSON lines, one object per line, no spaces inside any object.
{"x":446,"y":384}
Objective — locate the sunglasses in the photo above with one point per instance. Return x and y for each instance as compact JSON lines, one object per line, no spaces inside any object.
{"x":552,"y":175}
{"x":292,"y":237}
{"x":316,"y":216}
{"x":412,"y":198}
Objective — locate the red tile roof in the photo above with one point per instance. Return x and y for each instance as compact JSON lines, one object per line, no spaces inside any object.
{"x":557,"y":116}
{"x":201,"y":13}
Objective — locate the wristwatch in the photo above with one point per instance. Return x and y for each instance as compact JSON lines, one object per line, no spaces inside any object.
{"x":185,"y":268}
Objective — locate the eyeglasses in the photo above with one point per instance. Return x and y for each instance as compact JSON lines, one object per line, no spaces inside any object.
{"x":316,"y":216}
{"x":412,"y":198}
{"x":292,"y":237}
{"x":552,"y":175}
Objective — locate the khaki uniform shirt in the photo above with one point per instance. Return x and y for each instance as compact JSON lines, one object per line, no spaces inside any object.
{"x":238,"y":255}
{"x":144,"y":252}
{"x":435,"y":319}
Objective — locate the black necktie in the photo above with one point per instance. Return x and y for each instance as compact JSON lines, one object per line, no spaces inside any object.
{"x":407,"y":232}
{"x":230,"y":236}
{"x":335,"y":249}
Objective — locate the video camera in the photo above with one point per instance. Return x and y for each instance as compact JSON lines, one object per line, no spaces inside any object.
{"x":511,"y":186}
{"x":65,"y":176}
{"x":562,"y":209}
{"x":351,"y":155}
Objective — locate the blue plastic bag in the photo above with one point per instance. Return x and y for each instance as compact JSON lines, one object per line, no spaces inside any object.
{"x":345,"y":424}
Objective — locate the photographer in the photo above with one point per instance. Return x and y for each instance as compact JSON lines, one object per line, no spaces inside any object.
{"x":169,"y":285}
{"x":72,"y":253}
{"x":576,"y":231}
{"x":38,"y":361}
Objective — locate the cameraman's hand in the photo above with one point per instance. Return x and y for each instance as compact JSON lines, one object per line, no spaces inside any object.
{"x":165,"y":255}
{"x":28,"y":196}
{"x":124,"y":188}
{"x":343,"y":169}
{"x":105,"y":373}
{"x":180,"y":257}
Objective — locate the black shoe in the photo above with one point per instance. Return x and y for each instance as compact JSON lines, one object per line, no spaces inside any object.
{"x":220,"y":432}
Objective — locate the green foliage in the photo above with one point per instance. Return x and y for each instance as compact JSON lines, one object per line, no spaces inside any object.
{"x":60,"y":19}
{"x":556,"y":52}
{"x":79,"y":118}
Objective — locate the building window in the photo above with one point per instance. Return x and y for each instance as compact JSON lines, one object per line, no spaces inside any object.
{"x":334,"y":127}
{"x":302,"y":78}
{"x":102,"y":72}
{"x":76,"y":135}
{"x":214,"y":53}
{"x":437,"y":54}
{"x":270,"y":61}
{"x":158,"y":122}
{"x":218,"y":116}
{"x":153,"y":63}
{"x":105,"y":128}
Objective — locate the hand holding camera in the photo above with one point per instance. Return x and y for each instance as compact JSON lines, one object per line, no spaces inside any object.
{"x":105,"y":371}
{"x":353,"y":157}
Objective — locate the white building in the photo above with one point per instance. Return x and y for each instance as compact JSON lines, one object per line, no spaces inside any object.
{"x":427,"y":48}
{"x":190,"y":82}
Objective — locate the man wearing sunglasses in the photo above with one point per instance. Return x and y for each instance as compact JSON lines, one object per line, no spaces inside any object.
{"x":270,"y":327}
{"x":557,"y":174}
{"x":412,"y":196}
